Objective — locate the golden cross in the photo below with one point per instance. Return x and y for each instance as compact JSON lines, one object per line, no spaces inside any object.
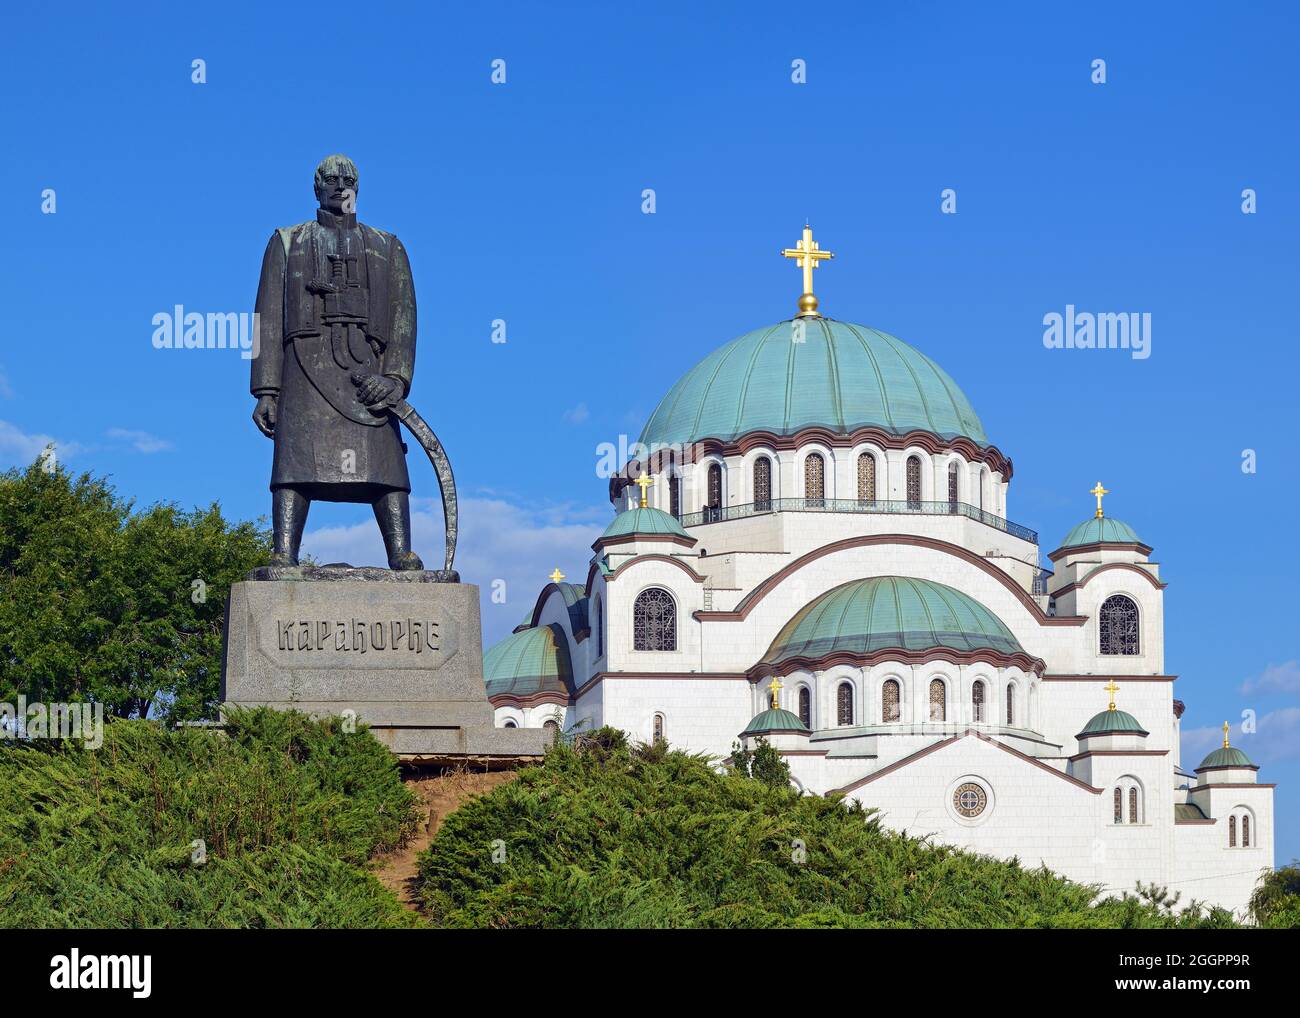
{"x":1099,"y":491}
{"x":775,"y":686}
{"x":556,"y":576}
{"x":807,"y":255}
{"x":643,"y":482}
{"x":1225,"y":735}
{"x":1112,"y":689}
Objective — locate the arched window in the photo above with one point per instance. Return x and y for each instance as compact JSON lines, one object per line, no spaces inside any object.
{"x":550,"y":724}
{"x":715,"y":488}
{"x":654,"y":620}
{"x":1127,"y":787}
{"x":597,"y":623}
{"x":1011,"y":704}
{"x":938,"y":700}
{"x":1119,"y":625}
{"x":977,"y":701}
{"x":509,"y":724}
{"x":658,"y":728}
{"x":805,"y":705}
{"x":844,"y":704}
{"x":814,"y":479}
{"x":1245,"y":830}
{"x":914,"y":482}
{"x":675,"y":496}
{"x":762,"y":484}
{"x":1232,"y":832}
{"x":867,"y":479}
{"x":952,"y":486}
{"x":979,"y":489}
{"x":890,"y":708}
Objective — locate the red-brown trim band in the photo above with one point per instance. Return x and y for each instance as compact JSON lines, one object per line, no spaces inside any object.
{"x":1079,"y":549}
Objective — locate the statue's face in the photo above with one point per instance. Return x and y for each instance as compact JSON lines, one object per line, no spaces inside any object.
{"x":337,"y":192}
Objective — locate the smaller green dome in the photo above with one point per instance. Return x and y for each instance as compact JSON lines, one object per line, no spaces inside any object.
{"x":647,"y":520}
{"x":1108,"y":721}
{"x":774,"y":720}
{"x":531,"y":661}
{"x":1226,"y":756}
{"x":1101,"y":530}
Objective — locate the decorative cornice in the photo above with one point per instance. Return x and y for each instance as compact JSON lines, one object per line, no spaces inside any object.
{"x":912,"y":657}
{"x":602,"y":543}
{"x":1107,"y":678}
{"x":532,"y":700}
{"x":654,"y":558}
{"x":742,"y":610}
{"x":657,"y":461}
{"x":1158,"y":584}
{"x":1080,"y":549}
{"x":1239,"y":767}
{"x":1234,"y":784}
{"x":1119,"y":752}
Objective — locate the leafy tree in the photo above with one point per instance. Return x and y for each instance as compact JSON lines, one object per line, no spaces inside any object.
{"x":762,"y":763}
{"x":101,"y":602}
{"x":1276,"y":901}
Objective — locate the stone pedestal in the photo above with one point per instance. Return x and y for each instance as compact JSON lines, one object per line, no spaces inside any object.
{"x":399,"y":651}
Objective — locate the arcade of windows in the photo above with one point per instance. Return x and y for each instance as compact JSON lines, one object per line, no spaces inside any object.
{"x":1239,"y":826}
{"x":1126,"y":802}
{"x":891,"y":698}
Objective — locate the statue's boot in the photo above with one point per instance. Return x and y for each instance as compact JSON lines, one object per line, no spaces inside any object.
{"x":288,"y":517}
{"x":393,"y":514}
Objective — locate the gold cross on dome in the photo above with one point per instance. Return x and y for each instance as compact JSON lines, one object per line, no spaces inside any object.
{"x":1225,"y":735}
{"x":775,"y":686}
{"x":807,"y":255}
{"x":1112,"y":689}
{"x":556,"y":576}
{"x":1098,"y":492}
{"x":643,"y":482}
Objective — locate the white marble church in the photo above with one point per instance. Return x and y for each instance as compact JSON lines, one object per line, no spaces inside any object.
{"x":813,"y":548}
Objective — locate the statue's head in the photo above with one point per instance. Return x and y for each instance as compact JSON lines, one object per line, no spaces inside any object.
{"x":336,"y":184}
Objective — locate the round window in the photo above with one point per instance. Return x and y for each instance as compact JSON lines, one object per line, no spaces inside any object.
{"x":970,"y":799}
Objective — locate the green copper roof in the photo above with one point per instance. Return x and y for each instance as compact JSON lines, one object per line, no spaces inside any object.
{"x":882,"y":612}
{"x":1113,"y":721}
{"x":774,"y":721}
{"x":841,"y":376}
{"x":644,"y":521}
{"x":1105,"y":529}
{"x":1226,"y":756}
{"x":530,"y":661}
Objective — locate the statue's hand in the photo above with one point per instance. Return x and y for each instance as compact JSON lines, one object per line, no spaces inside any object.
{"x":264,"y":415}
{"x":376,"y":390}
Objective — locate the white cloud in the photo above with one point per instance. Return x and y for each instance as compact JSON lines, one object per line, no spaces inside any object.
{"x":141,"y":441}
{"x":22,"y":448}
{"x":499,"y":540}
{"x":1283,"y":678}
{"x":577,"y":414}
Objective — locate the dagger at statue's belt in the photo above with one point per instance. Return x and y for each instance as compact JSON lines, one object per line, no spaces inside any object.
{"x":415,"y":424}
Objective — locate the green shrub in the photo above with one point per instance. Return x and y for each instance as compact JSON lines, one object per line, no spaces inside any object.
{"x":288,"y":809}
{"x":647,"y":837}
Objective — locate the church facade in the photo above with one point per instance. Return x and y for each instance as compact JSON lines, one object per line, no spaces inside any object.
{"x":814,"y":549}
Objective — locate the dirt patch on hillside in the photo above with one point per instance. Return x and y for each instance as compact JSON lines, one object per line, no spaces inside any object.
{"x":439,"y":795}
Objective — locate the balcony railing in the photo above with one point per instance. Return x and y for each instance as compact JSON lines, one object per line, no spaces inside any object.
{"x":720,"y":514}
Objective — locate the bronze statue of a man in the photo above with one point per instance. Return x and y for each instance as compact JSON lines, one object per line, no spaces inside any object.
{"x":336,"y":353}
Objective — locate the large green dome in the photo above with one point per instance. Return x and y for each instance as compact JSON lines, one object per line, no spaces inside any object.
{"x":842,"y":377}
{"x":889,"y":612}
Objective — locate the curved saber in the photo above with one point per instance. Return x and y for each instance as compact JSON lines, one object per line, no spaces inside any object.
{"x":405,"y":413}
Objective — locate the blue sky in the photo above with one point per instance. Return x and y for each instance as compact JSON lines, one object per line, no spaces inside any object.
{"x":522,"y":202}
